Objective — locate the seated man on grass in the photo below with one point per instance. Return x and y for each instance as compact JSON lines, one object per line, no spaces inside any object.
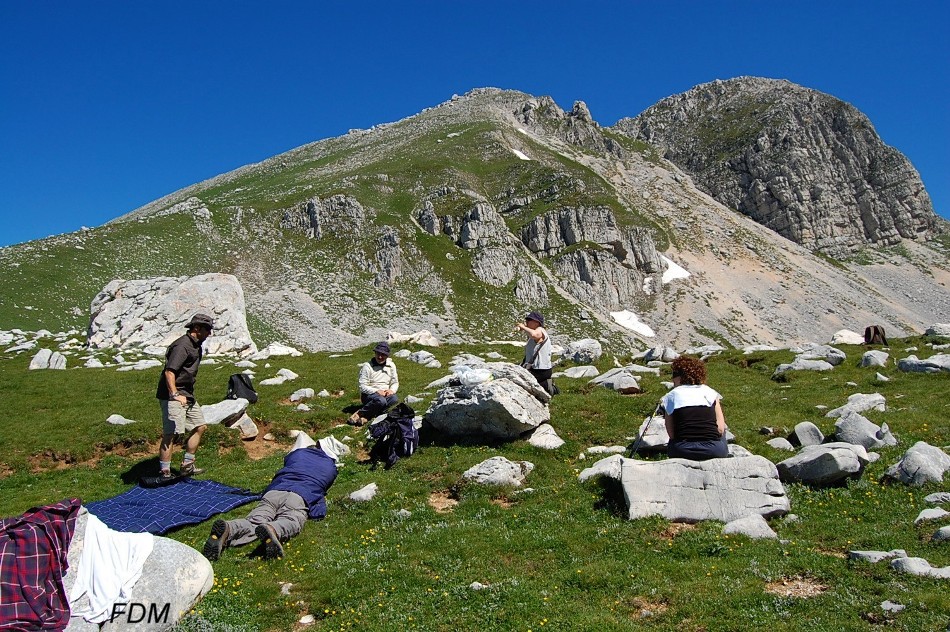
{"x":296,"y":493}
{"x":378,"y":385}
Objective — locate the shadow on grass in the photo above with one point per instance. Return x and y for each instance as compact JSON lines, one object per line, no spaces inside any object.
{"x":611,"y":497}
{"x":142,"y":469}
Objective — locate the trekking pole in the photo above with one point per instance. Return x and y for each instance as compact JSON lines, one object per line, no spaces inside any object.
{"x":636,"y":444}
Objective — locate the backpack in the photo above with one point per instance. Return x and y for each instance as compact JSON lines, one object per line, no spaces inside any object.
{"x":240,"y":386}
{"x":396,"y":436}
{"x":874,"y":335}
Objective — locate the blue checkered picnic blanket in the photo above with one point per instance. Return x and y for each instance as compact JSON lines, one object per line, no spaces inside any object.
{"x":161,"y":509}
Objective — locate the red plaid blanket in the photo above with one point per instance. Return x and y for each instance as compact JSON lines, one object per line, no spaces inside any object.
{"x":33,"y":551}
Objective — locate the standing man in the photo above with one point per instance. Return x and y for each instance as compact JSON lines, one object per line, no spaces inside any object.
{"x":176,"y":394}
{"x":378,"y":385}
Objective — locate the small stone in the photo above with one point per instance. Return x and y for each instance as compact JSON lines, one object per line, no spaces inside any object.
{"x":365,"y":493}
{"x":285,"y":588}
{"x":403,"y":513}
{"x":890,"y":606}
{"x":307,"y":619}
{"x":478,"y":586}
{"x":269,"y":437}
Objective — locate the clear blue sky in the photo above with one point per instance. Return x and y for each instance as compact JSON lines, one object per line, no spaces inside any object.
{"x":107,"y":105}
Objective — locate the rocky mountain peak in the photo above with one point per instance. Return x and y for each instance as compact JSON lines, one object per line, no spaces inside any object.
{"x":801,"y":162}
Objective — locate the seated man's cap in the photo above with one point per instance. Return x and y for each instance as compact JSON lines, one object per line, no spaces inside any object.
{"x":381,"y":348}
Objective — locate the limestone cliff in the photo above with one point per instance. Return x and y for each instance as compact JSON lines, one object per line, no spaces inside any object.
{"x":805,"y":164}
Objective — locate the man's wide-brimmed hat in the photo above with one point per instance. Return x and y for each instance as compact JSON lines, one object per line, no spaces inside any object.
{"x":535,"y":316}
{"x":381,"y":348}
{"x":200,"y":320}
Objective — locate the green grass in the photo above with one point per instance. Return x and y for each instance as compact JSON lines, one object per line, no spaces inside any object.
{"x":561,"y":557}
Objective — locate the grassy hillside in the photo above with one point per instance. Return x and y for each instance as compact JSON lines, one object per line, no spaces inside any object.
{"x":560,"y":557}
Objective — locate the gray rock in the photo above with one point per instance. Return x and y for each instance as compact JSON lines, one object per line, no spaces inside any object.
{"x":655,"y":437}
{"x":920,"y":567}
{"x":581,"y":371}
{"x":93,"y":363}
{"x":874,"y":557}
{"x":303,"y":408}
{"x":941,"y":535}
{"x":499,"y":471}
{"x":932,"y":513}
{"x":503,"y":408}
{"x":423,"y":337}
{"x":48,"y":359}
{"x":938,"y":498}
{"x":365,"y":493}
{"x":301,"y":394}
{"x":402,"y":353}
{"x":636,"y":368}
{"x":662,"y":354}
{"x":890,"y":606}
{"x":606,"y":449}
{"x":824,"y":465}
{"x":246,"y":426}
{"x":832,"y":356}
{"x":806,"y":433}
{"x":145,"y":365}
{"x":323,"y":393}
{"x":856,"y":429}
{"x":859,"y":402}
{"x":688,"y":491}
{"x":881,"y":378}
{"x":921,"y":464}
{"x":754,"y":348}
{"x":619,"y":380}
{"x":934,"y":364}
{"x":939,"y":329}
{"x":153,"y":312}
{"x":847,"y":337}
{"x":800,"y":364}
{"x":737,"y":451}
{"x":874,"y":358}
{"x":275,"y":349}
{"x":225,"y":412}
{"x":412,"y":399}
{"x":477,"y":586}
{"x":119,"y":420}
{"x":245,"y":364}
{"x":781,"y":444}
{"x":753,"y":526}
{"x":426,"y":359}
{"x":545,"y":437}
{"x":584,"y":351}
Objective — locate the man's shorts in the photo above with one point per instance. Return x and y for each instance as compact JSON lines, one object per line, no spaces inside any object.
{"x":178,"y":419}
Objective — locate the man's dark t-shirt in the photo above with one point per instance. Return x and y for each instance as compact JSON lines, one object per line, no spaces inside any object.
{"x":182,"y":359}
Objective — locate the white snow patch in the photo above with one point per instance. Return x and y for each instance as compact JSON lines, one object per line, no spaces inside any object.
{"x":520,"y":155}
{"x":648,"y":285}
{"x":523,"y":131}
{"x":673,"y":271}
{"x":631,"y":321}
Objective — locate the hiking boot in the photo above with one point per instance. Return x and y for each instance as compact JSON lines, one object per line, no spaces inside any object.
{"x":189,"y":469}
{"x":165,"y":475}
{"x":356,"y":420}
{"x":272,"y":548}
{"x":217,"y":541}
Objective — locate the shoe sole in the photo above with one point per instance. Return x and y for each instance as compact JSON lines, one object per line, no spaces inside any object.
{"x":272,"y":547}
{"x":216,"y":541}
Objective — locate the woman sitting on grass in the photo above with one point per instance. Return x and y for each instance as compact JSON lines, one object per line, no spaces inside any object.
{"x":693,"y":415}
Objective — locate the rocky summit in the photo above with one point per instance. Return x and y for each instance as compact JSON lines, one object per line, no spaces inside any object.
{"x":803,"y":163}
{"x":460,"y":219}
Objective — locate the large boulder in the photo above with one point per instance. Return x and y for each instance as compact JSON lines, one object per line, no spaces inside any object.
{"x":153,"y":312}
{"x":806,"y":433}
{"x":824,"y":465}
{"x":933,"y":364}
{"x":801,"y":364}
{"x":174,"y":574}
{"x":874,"y":358}
{"x":922,"y":463}
{"x":504,"y":407}
{"x":831,"y":355}
{"x":688,"y":491}
{"x":224,"y":412}
{"x":619,"y":380}
{"x":857,"y":429}
{"x":939,"y":329}
{"x":847,"y":337}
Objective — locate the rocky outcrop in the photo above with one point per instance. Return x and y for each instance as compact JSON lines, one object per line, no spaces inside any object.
{"x":575,"y":127}
{"x":337,"y":216}
{"x":805,"y":164}
{"x":151,"y":313}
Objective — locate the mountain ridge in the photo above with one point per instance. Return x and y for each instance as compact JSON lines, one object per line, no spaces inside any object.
{"x":464,"y":216}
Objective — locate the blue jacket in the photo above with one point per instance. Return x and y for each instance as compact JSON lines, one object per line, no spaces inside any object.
{"x":307,"y":472}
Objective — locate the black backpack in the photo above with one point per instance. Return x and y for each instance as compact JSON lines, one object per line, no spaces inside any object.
{"x":396,"y":436}
{"x":240,"y":386}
